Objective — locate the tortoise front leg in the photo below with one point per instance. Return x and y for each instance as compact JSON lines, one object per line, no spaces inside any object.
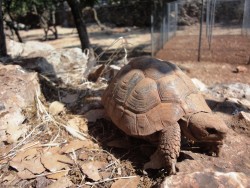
{"x":169,"y":145}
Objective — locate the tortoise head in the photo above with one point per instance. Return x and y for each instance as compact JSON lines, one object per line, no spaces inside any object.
{"x":203,"y":127}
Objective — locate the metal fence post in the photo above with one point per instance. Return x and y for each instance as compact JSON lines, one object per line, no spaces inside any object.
{"x":168,"y":28}
{"x":246,"y":19}
{"x":201,"y":24}
{"x":163,"y":26}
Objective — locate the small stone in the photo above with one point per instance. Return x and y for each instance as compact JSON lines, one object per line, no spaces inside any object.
{"x":56,"y":108}
{"x":210,"y":179}
{"x":240,"y":69}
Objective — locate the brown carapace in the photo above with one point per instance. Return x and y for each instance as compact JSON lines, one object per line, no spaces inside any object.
{"x":150,"y":97}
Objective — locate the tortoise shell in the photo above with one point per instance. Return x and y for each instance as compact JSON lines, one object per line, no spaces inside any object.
{"x":147,"y":92}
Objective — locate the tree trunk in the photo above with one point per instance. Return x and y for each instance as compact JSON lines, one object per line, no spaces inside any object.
{"x":79,"y":22}
{"x":11,"y":25}
{"x":3,"y":50}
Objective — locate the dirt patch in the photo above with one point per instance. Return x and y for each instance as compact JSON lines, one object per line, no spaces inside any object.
{"x":214,"y":73}
{"x":226,"y":48}
{"x":68,"y":37}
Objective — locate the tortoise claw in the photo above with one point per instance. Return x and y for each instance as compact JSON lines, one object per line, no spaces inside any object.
{"x":172,"y":169}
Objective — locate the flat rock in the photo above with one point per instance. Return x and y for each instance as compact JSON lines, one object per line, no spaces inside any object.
{"x":71,"y":66}
{"x":16,"y":49}
{"x":18,"y":91}
{"x":207,"y":180}
{"x":235,"y":90}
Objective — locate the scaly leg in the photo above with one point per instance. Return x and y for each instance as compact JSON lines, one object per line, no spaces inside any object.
{"x":169,"y":145}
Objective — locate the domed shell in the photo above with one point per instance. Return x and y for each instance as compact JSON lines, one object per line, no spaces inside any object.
{"x":148,"y":94}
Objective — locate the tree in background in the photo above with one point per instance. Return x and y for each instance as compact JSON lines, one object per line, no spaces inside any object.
{"x":3,"y":51}
{"x":45,"y":10}
{"x":79,"y":22}
{"x":10,"y":7}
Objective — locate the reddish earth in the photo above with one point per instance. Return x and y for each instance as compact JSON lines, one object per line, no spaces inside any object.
{"x":226,"y":48}
{"x":218,"y":64}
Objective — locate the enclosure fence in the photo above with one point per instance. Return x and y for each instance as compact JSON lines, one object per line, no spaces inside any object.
{"x":164,"y":20}
{"x":246,"y":19}
{"x":218,"y":17}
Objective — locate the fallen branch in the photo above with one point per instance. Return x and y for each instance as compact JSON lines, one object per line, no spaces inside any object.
{"x":46,"y":174}
{"x":109,"y":179}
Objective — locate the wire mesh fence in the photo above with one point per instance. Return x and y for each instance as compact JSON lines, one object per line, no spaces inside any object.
{"x":163,"y":24}
{"x":222,"y":30}
{"x":246,"y":19}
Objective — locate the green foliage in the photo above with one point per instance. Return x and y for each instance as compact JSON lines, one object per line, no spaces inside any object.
{"x":127,"y":2}
{"x":88,"y":3}
{"x":22,"y":7}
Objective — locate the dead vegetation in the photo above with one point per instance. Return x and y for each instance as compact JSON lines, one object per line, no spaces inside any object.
{"x":62,"y":147}
{"x":70,"y":144}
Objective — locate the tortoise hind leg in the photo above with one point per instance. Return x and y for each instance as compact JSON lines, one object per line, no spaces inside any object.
{"x":169,"y":145}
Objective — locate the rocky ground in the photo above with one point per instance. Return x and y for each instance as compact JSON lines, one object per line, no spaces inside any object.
{"x":54,"y":132}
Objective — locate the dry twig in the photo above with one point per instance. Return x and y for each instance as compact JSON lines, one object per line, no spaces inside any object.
{"x":109,"y":179}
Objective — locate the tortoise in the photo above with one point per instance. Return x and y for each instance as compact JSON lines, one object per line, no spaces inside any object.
{"x":153,"y":99}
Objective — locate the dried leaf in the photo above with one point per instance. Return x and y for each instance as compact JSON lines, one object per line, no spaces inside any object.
{"x":100,"y":164}
{"x":5,"y":150}
{"x":8,"y":179}
{"x":83,"y":156}
{"x":34,"y":165}
{"x":74,"y":145}
{"x":57,"y":175}
{"x":125,"y":183}
{"x":93,"y":115}
{"x":30,"y":153}
{"x":54,"y":162}
{"x":25,"y":174}
{"x":96,"y":73}
{"x":77,"y":123}
{"x":91,"y":171}
{"x":17,"y":165}
{"x":30,"y":144}
{"x":15,"y":132}
{"x":63,"y":182}
{"x":4,"y":161}
{"x":75,"y":133}
{"x":56,"y":108}
{"x":105,"y":174}
{"x":55,"y":149}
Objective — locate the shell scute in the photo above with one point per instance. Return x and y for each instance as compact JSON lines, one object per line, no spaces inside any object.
{"x":143,"y":97}
{"x":126,"y":84}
